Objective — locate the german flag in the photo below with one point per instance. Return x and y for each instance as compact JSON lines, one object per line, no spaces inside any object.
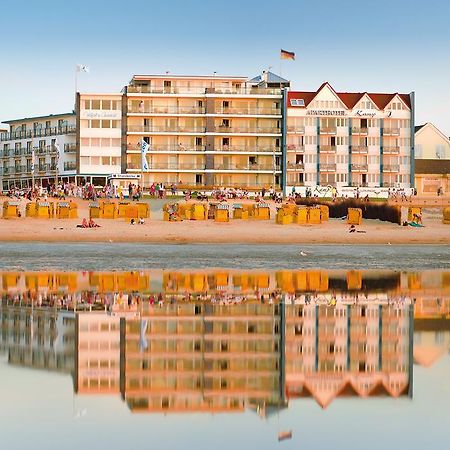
{"x":287,"y":55}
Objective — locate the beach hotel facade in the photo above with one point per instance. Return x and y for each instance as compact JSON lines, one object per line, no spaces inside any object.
{"x":337,"y":139}
{"x":203,"y":132}
{"x":42,"y":147}
{"x":206,"y":131}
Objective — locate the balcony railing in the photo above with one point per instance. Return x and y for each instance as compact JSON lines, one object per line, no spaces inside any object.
{"x":175,"y":166}
{"x":243,"y":148}
{"x":328,"y":149}
{"x":257,"y":130}
{"x":6,"y":154}
{"x":20,"y":151}
{"x":145,"y":89}
{"x":39,"y":132}
{"x":45,"y":150}
{"x":391,"y":150}
{"x":295,"y":129}
{"x":167,"y":110}
{"x":360,"y":149}
{"x":70,"y":165}
{"x":70,"y":148}
{"x":8,"y":171}
{"x":391,"y":131}
{"x":327,"y":167}
{"x":164,"y":129}
{"x":295,"y":166}
{"x":359,"y":167}
{"x":391,"y":168}
{"x":249,"y":111}
{"x":328,"y":130}
{"x":169,"y":148}
{"x":295,"y":148}
{"x":46,"y":168}
{"x":360,"y":131}
{"x":251,"y":167}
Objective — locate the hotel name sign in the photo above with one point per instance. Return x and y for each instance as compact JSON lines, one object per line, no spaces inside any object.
{"x":99,"y":114}
{"x":365,"y":113}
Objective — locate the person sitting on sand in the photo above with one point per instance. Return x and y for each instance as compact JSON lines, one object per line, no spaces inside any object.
{"x":92,"y":224}
{"x":141,"y":221}
{"x":132,"y":222}
{"x":84,"y":224}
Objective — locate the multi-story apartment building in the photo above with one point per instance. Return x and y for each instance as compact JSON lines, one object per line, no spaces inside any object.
{"x":38,"y":136}
{"x":349,"y":139}
{"x":205,"y":131}
{"x":99,"y":137}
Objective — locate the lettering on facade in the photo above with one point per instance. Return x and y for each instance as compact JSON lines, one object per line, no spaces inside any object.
{"x":101,"y":114}
{"x":325,"y":112}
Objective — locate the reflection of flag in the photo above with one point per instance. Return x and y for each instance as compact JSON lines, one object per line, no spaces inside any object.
{"x":144,"y":151}
{"x":82,"y":68}
{"x":143,"y":344}
{"x":33,"y":158}
{"x":287,"y":55}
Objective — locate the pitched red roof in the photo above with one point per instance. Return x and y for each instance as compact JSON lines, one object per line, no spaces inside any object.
{"x":350,"y":99}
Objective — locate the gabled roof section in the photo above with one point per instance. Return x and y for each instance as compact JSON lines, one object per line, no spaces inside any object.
{"x":350,"y":99}
{"x":327,"y":85}
{"x":404,"y":99}
{"x":268,"y":77}
{"x":434,"y":128}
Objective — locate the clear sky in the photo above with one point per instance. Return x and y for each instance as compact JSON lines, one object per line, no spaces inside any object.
{"x":383,"y":46}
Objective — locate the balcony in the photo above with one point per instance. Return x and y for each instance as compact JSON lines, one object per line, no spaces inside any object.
{"x":391,"y":131}
{"x":359,"y":167}
{"x":297,"y":148}
{"x":167,"y":110}
{"x":164,"y":129}
{"x":70,"y":148}
{"x":46,"y":168}
{"x":253,"y":130}
{"x":45,"y":150}
{"x":359,"y":131}
{"x":18,"y":152}
{"x":327,"y":149}
{"x":327,"y":167}
{"x":169,"y":166}
{"x":391,"y":150}
{"x":21,"y":169}
{"x":8,"y":171}
{"x":200,"y":90}
{"x":328,"y":130}
{"x":70,"y":165}
{"x":393,"y":168}
{"x":169,"y":148}
{"x":6,"y":154}
{"x":249,"y":111}
{"x":360,"y":149}
{"x":39,"y":132}
{"x":249,"y":149}
{"x":296,"y":130}
{"x":295,"y":166}
{"x":251,"y":167}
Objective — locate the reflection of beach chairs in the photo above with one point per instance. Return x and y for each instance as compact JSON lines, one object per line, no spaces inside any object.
{"x":446,"y":216}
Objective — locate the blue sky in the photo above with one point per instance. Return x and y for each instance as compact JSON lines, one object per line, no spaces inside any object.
{"x":390,"y":46}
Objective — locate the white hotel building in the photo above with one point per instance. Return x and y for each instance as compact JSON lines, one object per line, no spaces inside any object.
{"x":349,"y":139}
{"x":41,"y":136}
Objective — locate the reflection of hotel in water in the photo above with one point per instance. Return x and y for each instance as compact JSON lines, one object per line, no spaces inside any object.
{"x":336,"y":334}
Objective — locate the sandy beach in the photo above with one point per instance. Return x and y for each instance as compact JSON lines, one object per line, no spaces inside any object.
{"x":154,"y":230}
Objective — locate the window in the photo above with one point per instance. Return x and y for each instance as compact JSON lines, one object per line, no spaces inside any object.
{"x":95,"y":104}
{"x":297,"y":102}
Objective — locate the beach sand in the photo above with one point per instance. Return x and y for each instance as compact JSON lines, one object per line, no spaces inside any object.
{"x":154,"y":230}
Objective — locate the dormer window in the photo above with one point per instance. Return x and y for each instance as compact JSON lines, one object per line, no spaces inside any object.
{"x":297,"y":102}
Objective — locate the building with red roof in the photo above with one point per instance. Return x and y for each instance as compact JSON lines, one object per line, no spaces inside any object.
{"x":338,"y":139}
